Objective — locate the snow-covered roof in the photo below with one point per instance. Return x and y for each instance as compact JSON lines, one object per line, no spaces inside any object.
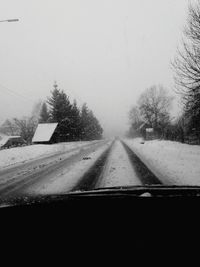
{"x":5,"y":139}
{"x":44,"y":132}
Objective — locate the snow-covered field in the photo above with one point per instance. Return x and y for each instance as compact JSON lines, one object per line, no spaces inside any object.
{"x":18,"y":155}
{"x":172,"y":162}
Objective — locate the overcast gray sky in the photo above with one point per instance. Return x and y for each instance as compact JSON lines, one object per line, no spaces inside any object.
{"x":103,"y":52}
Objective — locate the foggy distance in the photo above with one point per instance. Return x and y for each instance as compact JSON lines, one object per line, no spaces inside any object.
{"x":104,"y":53}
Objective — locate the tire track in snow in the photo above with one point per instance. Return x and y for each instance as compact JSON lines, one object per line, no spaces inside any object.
{"x":118,"y":166}
{"x":38,"y":175}
{"x":114,"y":165}
{"x":76,"y":176}
{"x":144,"y":174}
{"x":94,"y":174}
{"x":118,"y":170}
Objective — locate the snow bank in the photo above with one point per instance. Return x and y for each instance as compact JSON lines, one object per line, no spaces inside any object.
{"x":17,"y":155}
{"x":172,"y":162}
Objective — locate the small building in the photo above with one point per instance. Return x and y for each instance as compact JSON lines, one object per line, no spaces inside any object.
{"x":150,"y":135}
{"x":147,"y":132}
{"x":11,"y":141}
{"x":45,"y":133}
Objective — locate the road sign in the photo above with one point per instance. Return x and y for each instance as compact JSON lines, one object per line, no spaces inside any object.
{"x":149,"y":130}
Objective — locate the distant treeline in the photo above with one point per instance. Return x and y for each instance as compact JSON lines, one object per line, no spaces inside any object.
{"x":153,"y":112}
{"x":74,"y":123}
{"x":153,"y":107}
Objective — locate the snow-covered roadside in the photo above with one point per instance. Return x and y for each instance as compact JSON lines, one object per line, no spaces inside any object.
{"x":171,"y":162}
{"x":68,"y":178}
{"x":118,"y":170}
{"x":17,"y":155}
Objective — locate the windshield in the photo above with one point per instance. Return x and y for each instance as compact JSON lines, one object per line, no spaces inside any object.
{"x":98,"y":94}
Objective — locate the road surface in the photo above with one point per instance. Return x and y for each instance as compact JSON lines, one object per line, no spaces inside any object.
{"x":100,"y":164}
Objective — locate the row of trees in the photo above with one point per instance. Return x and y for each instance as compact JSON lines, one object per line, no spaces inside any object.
{"x":24,"y":127}
{"x":187,"y":74}
{"x":154,"y":104}
{"x":153,"y":111}
{"x":73,"y":123}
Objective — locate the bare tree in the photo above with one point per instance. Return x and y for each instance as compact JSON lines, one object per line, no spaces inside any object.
{"x":37,"y":109}
{"x":9,"y":128}
{"x":135,"y":122}
{"x":27,"y":127}
{"x":44,"y":114}
{"x":187,"y":68}
{"x":187,"y":60}
{"x":134,"y":116}
{"x":154,"y":105}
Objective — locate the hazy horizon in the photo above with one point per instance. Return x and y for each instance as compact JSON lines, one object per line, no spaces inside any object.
{"x":104,"y":53}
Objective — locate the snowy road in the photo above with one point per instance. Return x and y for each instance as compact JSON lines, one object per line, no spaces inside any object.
{"x":89,"y":165}
{"x":118,"y":170}
{"x":65,"y":167}
{"x":20,"y":177}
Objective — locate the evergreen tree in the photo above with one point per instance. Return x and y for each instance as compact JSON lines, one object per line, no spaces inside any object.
{"x":84,"y":121}
{"x":90,"y":127}
{"x":75,"y":123}
{"x":60,"y":112}
{"x":60,"y":106}
{"x":44,"y":114}
{"x":94,"y":130}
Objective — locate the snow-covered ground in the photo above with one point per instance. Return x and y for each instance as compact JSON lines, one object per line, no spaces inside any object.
{"x":69,"y":176}
{"x":118,"y":170}
{"x":171,"y":162}
{"x":18,"y":155}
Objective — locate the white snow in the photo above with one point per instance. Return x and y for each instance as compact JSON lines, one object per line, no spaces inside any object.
{"x":44,"y":132}
{"x":118,"y":170}
{"x":69,"y":176}
{"x":171,"y":162}
{"x":20,"y":155}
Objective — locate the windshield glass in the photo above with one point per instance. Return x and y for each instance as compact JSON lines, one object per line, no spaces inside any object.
{"x":98,"y":94}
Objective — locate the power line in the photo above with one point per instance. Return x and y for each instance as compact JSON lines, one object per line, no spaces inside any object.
{"x":15,"y":93}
